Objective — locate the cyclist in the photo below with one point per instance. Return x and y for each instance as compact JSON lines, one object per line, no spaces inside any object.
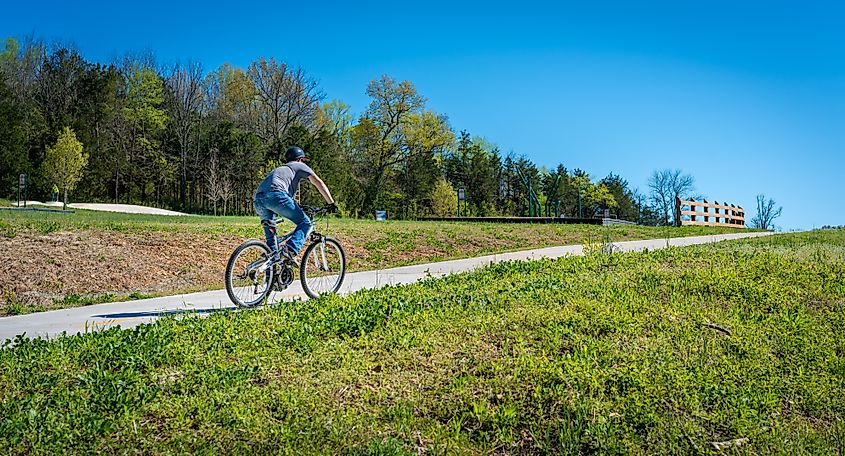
{"x":274,"y":196}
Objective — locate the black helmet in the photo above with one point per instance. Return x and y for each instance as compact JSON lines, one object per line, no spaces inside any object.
{"x":294,"y":153}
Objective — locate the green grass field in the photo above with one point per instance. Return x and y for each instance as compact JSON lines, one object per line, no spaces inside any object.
{"x":732,"y":348}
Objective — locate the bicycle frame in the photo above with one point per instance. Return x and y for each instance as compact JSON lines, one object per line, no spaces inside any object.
{"x":280,"y":240}
{"x":312,"y":236}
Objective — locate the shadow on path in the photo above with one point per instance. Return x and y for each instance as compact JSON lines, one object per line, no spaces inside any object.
{"x":164,"y":313}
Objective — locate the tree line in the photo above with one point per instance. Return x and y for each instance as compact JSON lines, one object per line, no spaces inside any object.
{"x":199,"y":141}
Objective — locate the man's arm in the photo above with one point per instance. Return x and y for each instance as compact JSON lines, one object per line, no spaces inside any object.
{"x":321,"y":187}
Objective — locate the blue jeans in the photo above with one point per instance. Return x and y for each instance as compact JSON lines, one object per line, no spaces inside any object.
{"x":268,"y":205}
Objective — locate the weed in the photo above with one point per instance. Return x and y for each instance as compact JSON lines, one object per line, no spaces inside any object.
{"x":7,"y":230}
{"x":11,"y":304}
{"x":46,"y":227}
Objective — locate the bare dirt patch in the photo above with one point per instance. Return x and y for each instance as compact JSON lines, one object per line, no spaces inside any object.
{"x":37,"y":269}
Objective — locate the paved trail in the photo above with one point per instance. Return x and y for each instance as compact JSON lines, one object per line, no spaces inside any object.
{"x":124,"y":208}
{"x":132,"y":313}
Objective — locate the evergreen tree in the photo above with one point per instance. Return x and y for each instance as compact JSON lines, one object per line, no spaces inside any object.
{"x":626,"y":208}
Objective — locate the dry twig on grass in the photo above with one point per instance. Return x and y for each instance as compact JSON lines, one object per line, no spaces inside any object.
{"x":718,"y":328}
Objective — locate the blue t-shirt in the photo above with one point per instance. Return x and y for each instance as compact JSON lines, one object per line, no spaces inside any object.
{"x":285,"y":178}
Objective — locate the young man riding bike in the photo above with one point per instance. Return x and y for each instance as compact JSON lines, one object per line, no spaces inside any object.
{"x":274,"y":196}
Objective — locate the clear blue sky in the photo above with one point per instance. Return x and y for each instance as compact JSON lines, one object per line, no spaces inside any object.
{"x":748,"y":97}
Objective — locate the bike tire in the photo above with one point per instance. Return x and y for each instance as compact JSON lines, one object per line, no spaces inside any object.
{"x":320,"y":272}
{"x":252,"y":251}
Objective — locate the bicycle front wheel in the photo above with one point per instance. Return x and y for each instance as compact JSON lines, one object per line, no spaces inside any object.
{"x":249,"y":276}
{"x":323,"y":267}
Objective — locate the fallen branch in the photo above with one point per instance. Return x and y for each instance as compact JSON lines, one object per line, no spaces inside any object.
{"x":718,"y":328}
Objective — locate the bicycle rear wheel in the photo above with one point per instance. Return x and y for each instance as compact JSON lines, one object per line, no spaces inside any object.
{"x":322,"y":268}
{"x":248,"y":276}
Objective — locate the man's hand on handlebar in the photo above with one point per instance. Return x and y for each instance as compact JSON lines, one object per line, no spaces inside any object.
{"x":330,"y":208}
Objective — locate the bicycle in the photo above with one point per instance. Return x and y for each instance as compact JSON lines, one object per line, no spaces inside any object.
{"x":252,"y":273}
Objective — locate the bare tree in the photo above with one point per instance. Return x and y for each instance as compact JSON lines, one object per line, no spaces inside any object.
{"x":286,"y":97}
{"x":57,"y":88}
{"x":22,"y":66}
{"x":665,"y":186}
{"x":766,"y":213}
{"x":213,"y":179}
{"x":186,"y":94}
{"x":226,"y":191}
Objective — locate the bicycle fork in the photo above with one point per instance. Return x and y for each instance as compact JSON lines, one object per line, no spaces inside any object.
{"x":321,"y":256}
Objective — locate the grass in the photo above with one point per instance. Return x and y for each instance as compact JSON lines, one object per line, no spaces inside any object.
{"x":672,"y":351}
{"x":81,"y":220}
{"x":55,"y":255}
{"x":384,"y":244}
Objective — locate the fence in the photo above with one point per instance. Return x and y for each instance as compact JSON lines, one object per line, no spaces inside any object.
{"x":730,"y":215}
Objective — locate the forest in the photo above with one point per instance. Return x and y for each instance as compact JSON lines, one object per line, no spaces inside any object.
{"x":198,"y":140}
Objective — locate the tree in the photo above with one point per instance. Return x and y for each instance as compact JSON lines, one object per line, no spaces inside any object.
{"x":667,"y":185}
{"x":145,"y":116}
{"x":244,"y":158}
{"x":554,"y":185}
{"x":336,"y":119}
{"x":598,"y":198}
{"x":444,"y":200}
{"x":626,"y":208}
{"x":226,"y":192}
{"x":481,"y":180}
{"x":230,"y":97}
{"x":428,"y":137}
{"x":380,"y":136}
{"x":147,"y":136}
{"x":58,"y":91}
{"x":766,"y":213}
{"x":475,"y":166}
{"x":581,"y":186}
{"x":185,"y":100}
{"x":214,"y":180}
{"x":13,"y":159}
{"x":287,"y":97}
{"x":64,"y":162}
{"x":516,"y":197}
{"x":20,"y":64}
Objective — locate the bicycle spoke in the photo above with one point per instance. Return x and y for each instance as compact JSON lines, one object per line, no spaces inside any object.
{"x":323,"y":268}
{"x":323,"y":256}
{"x":250,"y":276}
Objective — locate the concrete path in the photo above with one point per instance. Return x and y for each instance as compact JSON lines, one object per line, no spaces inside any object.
{"x":132,"y":313}
{"x":123,"y":208}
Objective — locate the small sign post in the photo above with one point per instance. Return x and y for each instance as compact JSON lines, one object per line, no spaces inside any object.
{"x":22,"y":189}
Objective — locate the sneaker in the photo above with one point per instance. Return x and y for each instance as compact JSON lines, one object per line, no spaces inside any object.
{"x":288,"y":254}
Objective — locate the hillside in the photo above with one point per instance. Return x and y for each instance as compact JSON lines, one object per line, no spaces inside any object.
{"x":732,"y":347}
{"x":55,"y":260}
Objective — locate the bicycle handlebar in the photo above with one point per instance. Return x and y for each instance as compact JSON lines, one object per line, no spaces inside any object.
{"x":315,"y":210}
